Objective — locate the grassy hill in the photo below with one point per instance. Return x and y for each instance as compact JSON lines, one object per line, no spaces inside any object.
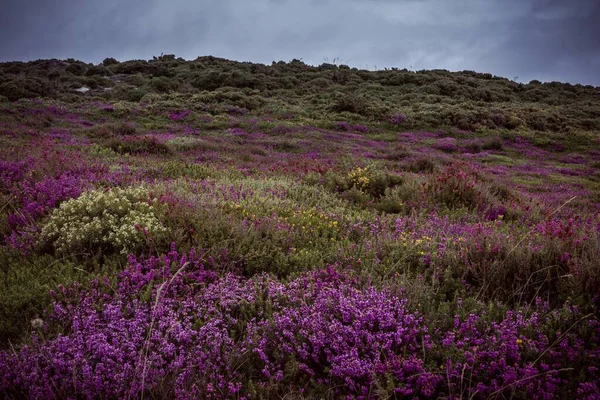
{"x":217,"y":229}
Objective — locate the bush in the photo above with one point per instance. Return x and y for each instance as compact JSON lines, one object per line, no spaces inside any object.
{"x":115,"y":220}
{"x":135,"y":145}
{"x":21,"y":88}
{"x":97,"y":70}
{"x":110,"y":130}
{"x":109,"y":61}
{"x":362,"y":184}
{"x":76,"y":69}
{"x":163,"y":84}
{"x":352,"y":103}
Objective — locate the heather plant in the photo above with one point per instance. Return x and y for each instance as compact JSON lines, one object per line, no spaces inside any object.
{"x":398,"y":119}
{"x":105,"y":220}
{"x":110,"y":130}
{"x":323,"y":332}
{"x":336,"y":338}
{"x":33,"y":202}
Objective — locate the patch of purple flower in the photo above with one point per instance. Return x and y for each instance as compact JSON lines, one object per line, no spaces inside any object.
{"x":447,"y":145}
{"x":179,"y":115}
{"x":170,"y":327}
{"x":346,"y":127}
{"x":398,"y":119}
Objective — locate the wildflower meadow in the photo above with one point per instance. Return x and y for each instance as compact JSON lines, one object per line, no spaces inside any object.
{"x":212,"y":229}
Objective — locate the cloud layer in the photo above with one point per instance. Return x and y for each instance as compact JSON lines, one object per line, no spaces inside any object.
{"x":532,"y":39}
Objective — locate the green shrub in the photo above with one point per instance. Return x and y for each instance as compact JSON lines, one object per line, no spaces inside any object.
{"x":109,"y":61}
{"x":177,"y":169}
{"x":76,"y":68}
{"x":351,"y":103}
{"x":390,"y":205}
{"x":136,"y":145}
{"x":97,"y":70}
{"x":163,"y":84}
{"x":125,"y":129}
{"x":110,"y":130}
{"x":115,"y":220}
{"x":356,"y":196}
{"x":21,"y":88}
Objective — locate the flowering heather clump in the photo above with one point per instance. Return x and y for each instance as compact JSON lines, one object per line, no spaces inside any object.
{"x":122,"y":219}
{"x":12,"y":172}
{"x":237,"y":111}
{"x":179,"y":115}
{"x":125,"y":342}
{"x":398,"y":119}
{"x":338,"y":336}
{"x":447,"y":145}
{"x":37,"y":199}
{"x":171,"y":327}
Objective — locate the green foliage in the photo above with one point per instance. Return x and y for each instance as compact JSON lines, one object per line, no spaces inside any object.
{"x":29,"y":87}
{"x":138,"y":145}
{"x":433,"y":99}
{"x":419,"y":165}
{"x":351,"y":103}
{"x":231,"y":97}
{"x":25,"y":283}
{"x":97,"y":70}
{"x":163,"y":84}
{"x":110,"y":130}
{"x":178,"y":169}
{"x":109,"y":61}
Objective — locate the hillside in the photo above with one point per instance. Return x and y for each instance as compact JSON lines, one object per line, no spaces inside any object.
{"x":217,"y":229}
{"x":433,"y":99}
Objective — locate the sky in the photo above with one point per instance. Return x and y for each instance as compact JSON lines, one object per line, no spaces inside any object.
{"x":547,"y":40}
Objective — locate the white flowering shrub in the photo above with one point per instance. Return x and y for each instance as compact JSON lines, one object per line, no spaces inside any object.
{"x":110,"y":220}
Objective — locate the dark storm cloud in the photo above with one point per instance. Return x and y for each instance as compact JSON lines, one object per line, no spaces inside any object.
{"x":545,"y":40}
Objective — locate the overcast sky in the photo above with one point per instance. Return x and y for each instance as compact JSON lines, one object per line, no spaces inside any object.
{"x":530,"y":39}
